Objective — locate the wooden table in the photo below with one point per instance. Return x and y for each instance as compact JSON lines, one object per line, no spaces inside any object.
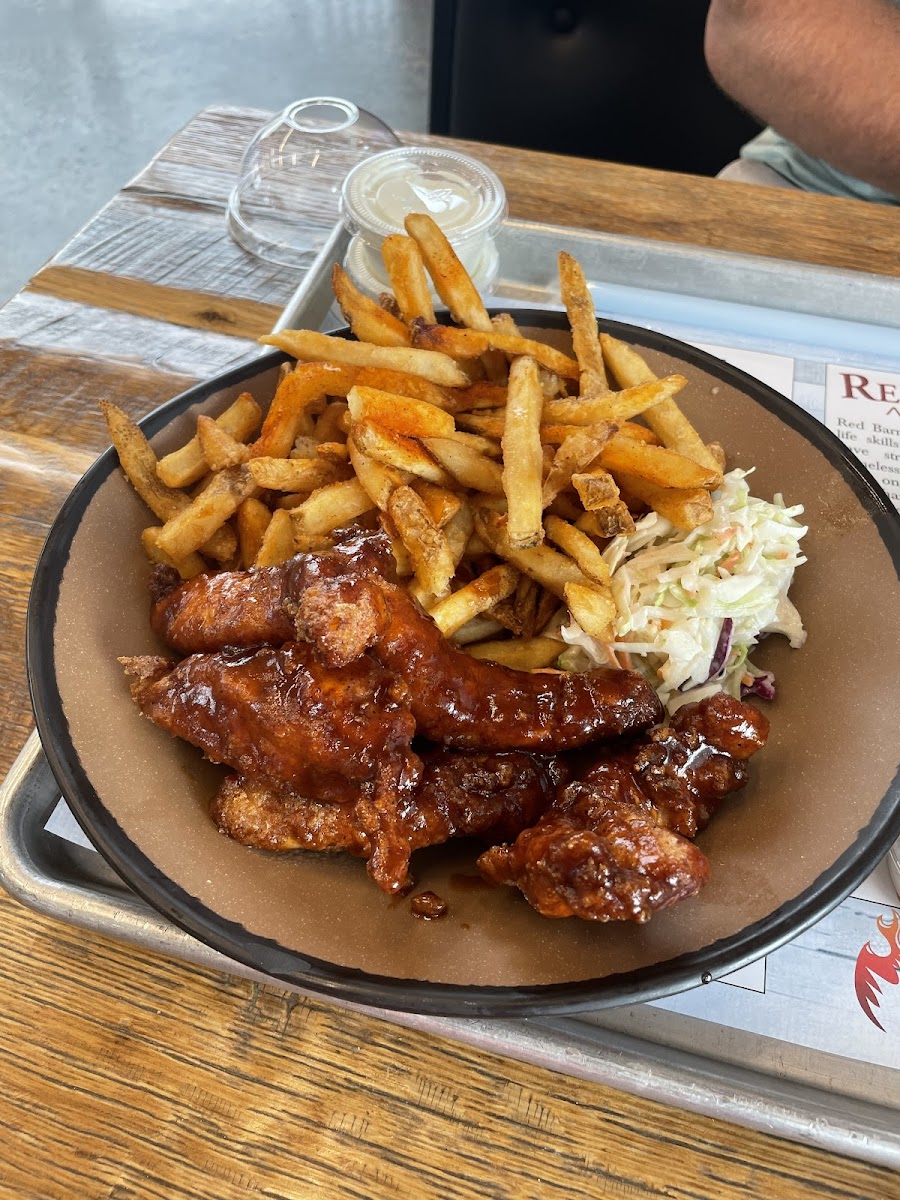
{"x":128,"y":1075}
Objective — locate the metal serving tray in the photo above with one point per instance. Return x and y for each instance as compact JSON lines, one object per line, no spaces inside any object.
{"x":767,"y":1083}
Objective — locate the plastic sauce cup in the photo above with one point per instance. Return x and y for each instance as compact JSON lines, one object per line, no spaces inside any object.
{"x":464,"y":197}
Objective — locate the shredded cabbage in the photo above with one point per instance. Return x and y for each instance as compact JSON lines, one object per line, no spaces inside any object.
{"x":674,"y":592}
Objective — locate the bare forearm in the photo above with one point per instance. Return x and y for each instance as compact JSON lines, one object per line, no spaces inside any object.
{"x":823,"y":73}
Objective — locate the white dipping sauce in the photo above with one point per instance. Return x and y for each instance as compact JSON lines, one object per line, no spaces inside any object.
{"x":465,"y":198}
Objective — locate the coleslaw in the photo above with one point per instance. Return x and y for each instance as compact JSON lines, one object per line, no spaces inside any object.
{"x":692,"y":606}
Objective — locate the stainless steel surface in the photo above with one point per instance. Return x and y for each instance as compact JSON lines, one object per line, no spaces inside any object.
{"x":312,"y":301}
{"x":74,"y":885}
{"x":754,"y":1081}
{"x":528,"y":252}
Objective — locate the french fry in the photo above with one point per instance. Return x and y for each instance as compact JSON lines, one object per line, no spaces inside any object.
{"x":640,"y":432}
{"x":599,"y":494}
{"x":491,"y":425}
{"x":251,"y":521}
{"x":412,"y":418}
{"x":517,"y":612}
{"x":294,"y":397}
{"x":187,"y":568}
{"x":552,"y":385}
{"x":522,"y":457}
{"x":548,"y":606}
{"x":496,"y":504}
{"x":550,"y":568}
{"x":614,"y":518}
{"x":656,"y":464}
{"x":399,"y":551}
{"x":579,"y":305}
{"x":475,"y":598}
{"x":483,"y":394}
{"x":593,"y":608}
{"x":470,"y":343}
{"x":401,"y":383}
{"x":365,"y":316}
{"x":574,"y":454}
{"x":595,"y":488}
{"x":428,"y":547}
{"x":406,"y":271}
{"x":555,"y":435}
{"x":328,"y":424}
{"x":525,"y":604}
{"x":329,"y":508}
{"x":330,"y":452}
{"x":458,"y":531}
{"x":476,"y":630}
{"x":183,"y":467}
{"x":139,"y":463}
{"x":289,"y":500}
{"x":612,"y":406}
{"x":484,"y":424}
{"x":307,"y":386}
{"x":522,"y":654}
{"x":378,"y":479}
{"x":293,"y":474}
{"x":665,"y":419}
{"x":196,"y":524}
{"x":565,"y":505}
{"x":685,"y":509}
{"x":718,"y":454}
{"x":469,"y":467}
{"x":389,"y":304}
{"x":451,"y":279}
{"x":627,"y":366}
{"x":607,"y":522}
{"x":309,"y":346}
{"x":504,"y":323}
{"x":489,"y":446}
{"x":305,"y":446}
{"x":404,"y":453}
{"x":441,"y":503}
{"x":278,"y":540}
{"x":426,"y":598}
{"x":580,"y":549}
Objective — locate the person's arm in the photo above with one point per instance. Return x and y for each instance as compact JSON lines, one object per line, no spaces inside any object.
{"x":824,"y":73}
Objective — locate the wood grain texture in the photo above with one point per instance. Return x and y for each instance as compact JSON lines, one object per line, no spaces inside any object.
{"x":125,"y":1075}
{"x":197,"y":309}
{"x":717,"y":213}
{"x":139,"y":1077}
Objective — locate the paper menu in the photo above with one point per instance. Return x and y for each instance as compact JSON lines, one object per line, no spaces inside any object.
{"x":863,"y":408}
{"x":860,"y":405}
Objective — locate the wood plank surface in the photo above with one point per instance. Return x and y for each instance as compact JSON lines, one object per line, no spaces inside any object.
{"x":127,"y":1075}
{"x":723,"y":214}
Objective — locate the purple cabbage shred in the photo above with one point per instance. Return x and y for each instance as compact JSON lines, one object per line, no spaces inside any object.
{"x":763,"y":686}
{"x":722,"y":650}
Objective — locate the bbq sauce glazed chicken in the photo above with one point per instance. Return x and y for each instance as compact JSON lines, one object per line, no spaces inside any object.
{"x":275,"y":713}
{"x":614,"y":844}
{"x":492,"y":797}
{"x":311,"y":680}
{"x":346,"y":604}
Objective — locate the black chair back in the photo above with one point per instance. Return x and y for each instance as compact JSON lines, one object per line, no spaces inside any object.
{"x":623,"y":80}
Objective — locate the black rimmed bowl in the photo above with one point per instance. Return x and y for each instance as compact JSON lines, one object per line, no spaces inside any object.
{"x":822,"y":809}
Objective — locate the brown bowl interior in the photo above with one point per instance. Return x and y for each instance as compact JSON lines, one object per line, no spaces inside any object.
{"x":831,"y":758}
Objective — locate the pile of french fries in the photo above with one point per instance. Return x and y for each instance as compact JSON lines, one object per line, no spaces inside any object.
{"x":498,"y":465}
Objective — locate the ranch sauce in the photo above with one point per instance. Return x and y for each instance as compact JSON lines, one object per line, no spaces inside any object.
{"x":465,"y":198}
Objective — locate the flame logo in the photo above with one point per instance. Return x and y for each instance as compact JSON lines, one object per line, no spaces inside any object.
{"x":870,"y":966}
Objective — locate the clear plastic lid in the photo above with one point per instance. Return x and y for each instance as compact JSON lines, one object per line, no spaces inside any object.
{"x":464,"y":197}
{"x":287,"y":199}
